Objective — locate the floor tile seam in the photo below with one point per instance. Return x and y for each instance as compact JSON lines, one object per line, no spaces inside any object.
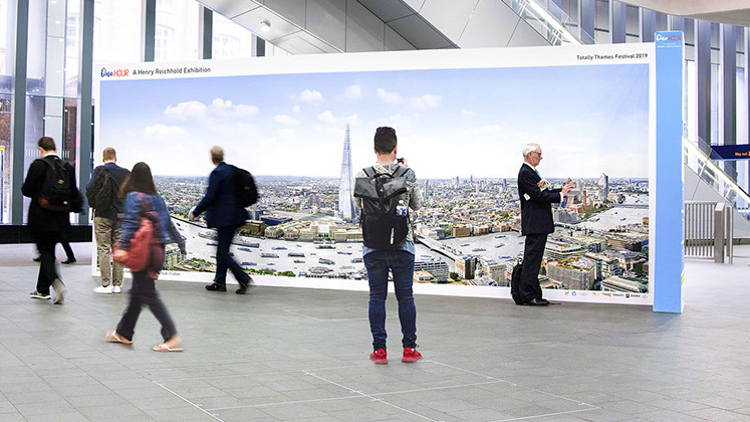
{"x":290,"y":371}
{"x":579,"y":402}
{"x":211,"y":415}
{"x":359,"y":395}
{"x":526,"y":418}
{"x":371,"y":397}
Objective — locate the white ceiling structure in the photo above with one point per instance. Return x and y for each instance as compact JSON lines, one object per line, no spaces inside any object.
{"x":330,"y":26}
{"x":735,"y":12}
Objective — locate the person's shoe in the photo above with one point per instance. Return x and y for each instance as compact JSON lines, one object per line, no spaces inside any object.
{"x":69,"y":261}
{"x":537,"y":302}
{"x":113,"y":337}
{"x":60,"y":290}
{"x":116,"y":289}
{"x":379,"y":356}
{"x":543,"y":300}
{"x":38,"y":259}
{"x":40,"y":296}
{"x":213,"y":287}
{"x":410,"y":355}
{"x":104,"y":289}
{"x":244,"y":286}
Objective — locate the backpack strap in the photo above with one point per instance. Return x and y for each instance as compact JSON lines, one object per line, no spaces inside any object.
{"x":369,"y":172}
{"x":400,"y":171}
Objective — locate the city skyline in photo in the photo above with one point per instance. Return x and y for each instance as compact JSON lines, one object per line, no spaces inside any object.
{"x":458,"y":122}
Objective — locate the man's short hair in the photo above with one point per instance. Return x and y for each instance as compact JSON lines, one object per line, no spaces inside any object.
{"x":217,"y":154}
{"x":46,"y":143}
{"x":385,"y":140}
{"x":529,"y":148}
{"x":109,"y":154}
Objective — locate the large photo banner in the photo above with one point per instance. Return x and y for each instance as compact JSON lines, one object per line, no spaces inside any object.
{"x":304,"y":125}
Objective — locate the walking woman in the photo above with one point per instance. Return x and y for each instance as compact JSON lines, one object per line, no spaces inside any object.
{"x":142,"y":203}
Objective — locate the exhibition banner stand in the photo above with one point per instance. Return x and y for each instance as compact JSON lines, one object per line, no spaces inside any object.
{"x":607,"y":117}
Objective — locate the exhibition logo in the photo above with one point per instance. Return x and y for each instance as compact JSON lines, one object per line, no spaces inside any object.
{"x":118,"y":73}
{"x":676,"y":37}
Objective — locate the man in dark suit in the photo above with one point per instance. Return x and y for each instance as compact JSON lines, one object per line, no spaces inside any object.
{"x":48,"y":220}
{"x":537,"y":198}
{"x":223,"y":213}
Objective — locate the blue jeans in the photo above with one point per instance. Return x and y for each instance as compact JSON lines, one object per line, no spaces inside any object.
{"x":401,"y":265}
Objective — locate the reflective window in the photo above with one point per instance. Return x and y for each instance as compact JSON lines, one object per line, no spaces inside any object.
{"x":230,"y":40}
{"x":117,"y":31}
{"x":177,"y":34}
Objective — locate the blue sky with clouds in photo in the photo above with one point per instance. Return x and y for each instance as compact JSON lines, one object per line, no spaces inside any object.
{"x":458,"y":122}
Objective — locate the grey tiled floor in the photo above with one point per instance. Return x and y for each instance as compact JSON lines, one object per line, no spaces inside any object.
{"x":301,"y":355}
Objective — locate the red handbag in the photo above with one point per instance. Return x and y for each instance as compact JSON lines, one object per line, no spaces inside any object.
{"x":143,"y":252}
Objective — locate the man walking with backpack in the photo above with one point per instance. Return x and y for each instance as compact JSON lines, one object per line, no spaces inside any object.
{"x":384,"y":193}
{"x":103,"y":193}
{"x":230,"y":190}
{"x":51,"y":185}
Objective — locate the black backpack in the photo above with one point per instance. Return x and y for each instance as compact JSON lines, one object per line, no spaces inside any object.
{"x":57,"y":190}
{"x":103,"y":195}
{"x":382,"y":226}
{"x":244,"y":186}
{"x":515,"y":284}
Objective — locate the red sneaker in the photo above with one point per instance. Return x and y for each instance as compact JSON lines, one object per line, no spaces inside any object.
{"x":411,"y":355}
{"x":379,"y":356}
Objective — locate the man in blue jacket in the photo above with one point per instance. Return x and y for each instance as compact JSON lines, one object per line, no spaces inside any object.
{"x":223,"y":213}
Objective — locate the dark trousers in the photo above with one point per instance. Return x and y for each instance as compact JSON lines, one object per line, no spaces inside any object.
{"x":533,"y":252}
{"x":68,"y":250}
{"x":45,"y":243}
{"x":224,"y":261}
{"x":142,"y":293}
{"x":401,"y":264}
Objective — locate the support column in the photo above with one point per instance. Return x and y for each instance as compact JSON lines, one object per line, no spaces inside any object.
{"x":85,"y":106}
{"x":676,"y":23}
{"x":18,"y":139}
{"x":149,"y":30}
{"x":618,"y":18}
{"x":703,"y":78}
{"x":728,"y":92}
{"x":746,"y":92}
{"x":587,"y":20}
{"x":647,"y":20}
{"x":207,"y":32}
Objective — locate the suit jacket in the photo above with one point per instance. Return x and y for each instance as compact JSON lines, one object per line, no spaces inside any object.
{"x":40,"y":219}
{"x":536,"y":212}
{"x":220,"y":201}
{"x":119,"y":174}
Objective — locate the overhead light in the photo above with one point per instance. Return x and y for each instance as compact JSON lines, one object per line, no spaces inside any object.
{"x":265,"y":26}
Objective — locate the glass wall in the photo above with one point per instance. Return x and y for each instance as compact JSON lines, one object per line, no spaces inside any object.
{"x":230,"y":40}
{"x":7,"y":44}
{"x":118,"y":29}
{"x":177,"y":30}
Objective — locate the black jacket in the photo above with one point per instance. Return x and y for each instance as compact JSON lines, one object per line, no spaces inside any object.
{"x":536,"y":212}
{"x":220,"y":202}
{"x":40,"y":219}
{"x":119,"y":174}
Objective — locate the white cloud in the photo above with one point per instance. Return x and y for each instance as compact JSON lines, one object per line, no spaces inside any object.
{"x":166,"y":133}
{"x":310,"y":96}
{"x":389,"y":97}
{"x":186,"y":111}
{"x":353,"y":92}
{"x":328,"y":117}
{"x":287,"y":134}
{"x":286,"y":120}
{"x":219,"y":108}
{"x":426,"y":101}
{"x":467,"y":113}
{"x":296,"y":108}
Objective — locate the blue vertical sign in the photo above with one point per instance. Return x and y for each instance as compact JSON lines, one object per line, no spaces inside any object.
{"x":669,"y":248}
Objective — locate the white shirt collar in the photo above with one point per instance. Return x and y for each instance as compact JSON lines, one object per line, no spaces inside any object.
{"x":49,"y":153}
